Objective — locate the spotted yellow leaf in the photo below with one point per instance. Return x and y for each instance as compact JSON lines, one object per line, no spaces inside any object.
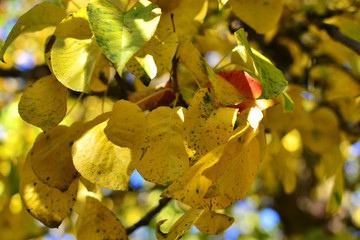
{"x":97,"y":222}
{"x":48,"y":205}
{"x":43,"y":103}
{"x":206,"y":124}
{"x":192,"y":186}
{"x":181,"y":226}
{"x":166,"y":157}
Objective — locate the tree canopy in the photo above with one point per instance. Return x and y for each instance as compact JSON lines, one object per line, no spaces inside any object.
{"x":157,"y":119}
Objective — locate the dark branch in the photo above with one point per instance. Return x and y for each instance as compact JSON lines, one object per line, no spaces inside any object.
{"x":147,"y":218}
{"x":33,"y":73}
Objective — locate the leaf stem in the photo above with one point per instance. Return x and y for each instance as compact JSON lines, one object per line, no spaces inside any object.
{"x":147,"y":218}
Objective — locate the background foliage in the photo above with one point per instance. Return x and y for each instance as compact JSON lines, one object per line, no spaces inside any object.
{"x":307,"y":185}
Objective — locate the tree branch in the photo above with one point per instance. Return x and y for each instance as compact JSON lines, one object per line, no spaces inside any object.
{"x":147,"y":218}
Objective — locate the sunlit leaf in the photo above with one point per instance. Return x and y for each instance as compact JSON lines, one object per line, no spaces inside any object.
{"x":102,"y":162}
{"x":222,"y":3}
{"x":191,"y":187}
{"x":272,"y":79}
{"x":156,"y":55}
{"x":124,"y":5}
{"x":213,"y":223}
{"x":48,"y":205}
{"x":43,"y":15}
{"x":127,"y":128}
{"x":97,"y":222}
{"x":286,"y":102}
{"x":166,"y":157}
{"x":43,"y":103}
{"x":75,"y":53}
{"x":182,"y":225}
{"x":120,"y":35}
{"x":261,"y":15}
{"x":206,"y":124}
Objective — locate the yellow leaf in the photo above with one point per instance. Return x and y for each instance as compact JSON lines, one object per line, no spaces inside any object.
{"x":127,"y":128}
{"x":100,"y":161}
{"x":75,"y":53}
{"x":124,"y":5}
{"x":43,"y":15}
{"x":320,"y":131}
{"x":261,"y":15}
{"x":43,"y":103}
{"x":207,"y":125}
{"x":51,"y":157}
{"x":213,"y":223}
{"x":166,"y":157}
{"x":191,"y":187}
{"x":182,"y":225}
{"x":156,"y":55}
{"x":225,"y":91}
{"x":97,"y":222}
{"x":192,"y":59}
{"x":234,"y":173}
{"x":48,"y":205}
{"x":334,"y":203}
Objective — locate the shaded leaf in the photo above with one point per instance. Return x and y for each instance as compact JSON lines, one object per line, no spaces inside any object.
{"x":182,"y":225}
{"x":334,"y":203}
{"x":191,"y":187}
{"x":75,"y":53}
{"x":156,"y":54}
{"x":261,"y":15}
{"x":121,"y":34}
{"x":166,"y":157}
{"x":43,"y":15}
{"x":97,"y":222}
{"x":43,"y":103}
{"x":272,"y":79}
{"x":286,"y":102}
{"x":51,"y":157}
{"x":211,"y":222}
{"x":48,"y":205}
{"x":102,"y":162}
{"x":127,"y":128}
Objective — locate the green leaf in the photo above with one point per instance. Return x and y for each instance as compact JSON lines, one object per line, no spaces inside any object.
{"x":286,"y":102}
{"x":48,"y":205}
{"x":43,"y":103}
{"x":272,"y":79}
{"x":75,"y":53}
{"x":156,"y":55}
{"x":43,"y":15}
{"x":166,"y":157}
{"x":261,"y":15}
{"x":97,"y":222}
{"x":121,"y":34}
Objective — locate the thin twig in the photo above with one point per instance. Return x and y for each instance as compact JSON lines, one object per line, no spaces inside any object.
{"x":147,"y":218}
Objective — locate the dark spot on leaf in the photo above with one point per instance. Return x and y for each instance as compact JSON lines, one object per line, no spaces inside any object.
{"x":47,"y":178}
{"x":71,"y":143}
